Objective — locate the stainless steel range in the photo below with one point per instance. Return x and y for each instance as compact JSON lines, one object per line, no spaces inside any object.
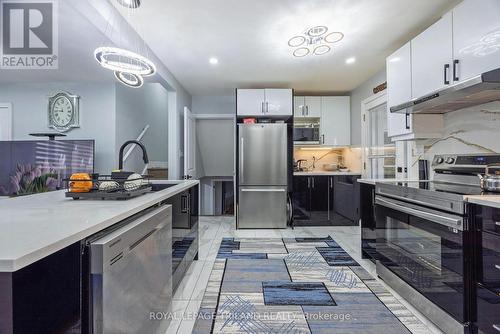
{"x":423,"y":247}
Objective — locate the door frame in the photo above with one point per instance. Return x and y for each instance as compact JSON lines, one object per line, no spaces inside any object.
{"x":9,"y":118}
{"x":366,"y":105}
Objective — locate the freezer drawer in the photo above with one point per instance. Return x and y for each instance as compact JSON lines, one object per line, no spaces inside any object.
{"x":262,"y":207}
{"x":263,"y":153}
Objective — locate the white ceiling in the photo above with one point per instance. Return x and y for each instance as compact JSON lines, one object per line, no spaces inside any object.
{"x":250,"y":40}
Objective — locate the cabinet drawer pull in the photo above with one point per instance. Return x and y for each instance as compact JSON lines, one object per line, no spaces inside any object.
{"x":497,"y":223}
{"x":446,"y":70}
{"x":497,"y":266}
{"x":497,"y":327}
{"x":455,"y":70}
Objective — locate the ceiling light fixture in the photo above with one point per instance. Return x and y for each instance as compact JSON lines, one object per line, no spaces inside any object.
{"x":213,"y":61}
{"x":130,"y":3}
{"x":350,"y":60}
{"x":129,"y":67}
{"x":314,"y":41}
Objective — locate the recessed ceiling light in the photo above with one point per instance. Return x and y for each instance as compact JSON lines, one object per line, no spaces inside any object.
{"x":351,"y":60}
{"x":213,"y":61}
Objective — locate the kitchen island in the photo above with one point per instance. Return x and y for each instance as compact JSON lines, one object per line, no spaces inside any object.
{"x":43,"y":283}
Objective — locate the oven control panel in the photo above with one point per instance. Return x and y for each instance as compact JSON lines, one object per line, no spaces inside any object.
{"x":465,"y":160}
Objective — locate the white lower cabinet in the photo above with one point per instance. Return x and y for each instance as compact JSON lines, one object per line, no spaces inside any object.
{"x":336,"y":120}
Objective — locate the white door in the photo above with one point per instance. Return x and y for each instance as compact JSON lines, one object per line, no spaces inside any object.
{"x":299,"y":106}
{"x":189,"y":144}
{"x":278,"y":102}
{"x":476,"y":37}
{"x":432,"y":57}
{"x":313,"y":106}
{"x":399,"y":90}
{"x":250,"y":102}
{"x":336,"y":121}
{"x":5,"y":121}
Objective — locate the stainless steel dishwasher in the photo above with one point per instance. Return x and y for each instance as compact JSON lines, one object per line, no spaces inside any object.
{"x":131,"y":275}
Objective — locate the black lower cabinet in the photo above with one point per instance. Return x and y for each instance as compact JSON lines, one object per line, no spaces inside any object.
{"x":301,"y":198}
{"x":367,"y":221}
{"x":315,"y":201}
{"x":184,"y":232}
{"x":485,"y":312}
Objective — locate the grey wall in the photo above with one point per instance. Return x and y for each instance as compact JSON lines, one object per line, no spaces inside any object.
{"x":357,"y":96}
{"x":225,"y":104}
{"x":135,"y":108}
{"x":97,"y":114}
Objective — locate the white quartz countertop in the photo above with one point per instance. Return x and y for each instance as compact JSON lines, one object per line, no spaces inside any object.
{"x":318,"y":173}
{"x":486,"y":200}
{"x":33,"y":227}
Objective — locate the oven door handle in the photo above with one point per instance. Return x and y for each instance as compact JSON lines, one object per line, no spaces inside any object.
{"x":453,"y":222}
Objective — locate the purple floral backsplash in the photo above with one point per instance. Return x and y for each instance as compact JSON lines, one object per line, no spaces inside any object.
{"x":29,"y":167}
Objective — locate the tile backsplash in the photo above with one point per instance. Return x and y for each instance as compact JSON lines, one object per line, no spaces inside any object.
{"x":349,"y":157}
{"x":467,"y":131}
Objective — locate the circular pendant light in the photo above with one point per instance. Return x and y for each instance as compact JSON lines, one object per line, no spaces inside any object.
{"x":301,"y":52}
{"x":321,"y":50}
{"x":129,"y":79}
{"x":116,"y":59}
{"x":334,"y":37}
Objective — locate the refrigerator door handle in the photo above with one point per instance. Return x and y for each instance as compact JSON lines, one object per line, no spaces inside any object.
{"x":242,"y":159}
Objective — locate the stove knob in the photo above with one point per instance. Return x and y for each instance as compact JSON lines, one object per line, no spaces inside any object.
{"x":450,"y":160}
{"x":439,"y":160}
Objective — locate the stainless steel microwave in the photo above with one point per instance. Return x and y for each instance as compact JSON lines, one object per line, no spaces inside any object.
{"x":306,"y":133}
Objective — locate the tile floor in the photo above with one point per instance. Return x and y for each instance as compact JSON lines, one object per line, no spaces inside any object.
{"x":200,"y":291}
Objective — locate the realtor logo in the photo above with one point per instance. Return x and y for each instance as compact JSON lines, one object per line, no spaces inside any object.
{"x":29,"y":36}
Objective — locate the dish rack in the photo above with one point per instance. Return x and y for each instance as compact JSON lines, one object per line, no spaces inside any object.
{"x":118,"y":188}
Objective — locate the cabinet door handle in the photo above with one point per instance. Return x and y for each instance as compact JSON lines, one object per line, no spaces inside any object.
{"x":307,"y":110}
{"x":331,"y":182}
{"x":312,"y":178}
{"x":262,"y":107}
{"x":267,"y":107}
{"x":497,"y":327}
{"x":323,"y":138}
{"x":497,"y":266}
{"x":455,"y":70}
{"x":446,"y":70}
{"x":497,"y":223}
{"x":308,"y":183}
{"x":407,"y":122}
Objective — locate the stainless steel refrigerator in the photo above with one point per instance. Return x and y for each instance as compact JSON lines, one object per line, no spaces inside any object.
{"x":262,"y":175}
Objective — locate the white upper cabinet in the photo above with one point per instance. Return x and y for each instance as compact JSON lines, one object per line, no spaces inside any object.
{"x":313,"y":106}
{"x":399,"y":89}
{"x":336,"y":120}
{"x":264,"y":102}
{"x":402,"y":126}
{"x":278,"y":102}
{"x":432,"y":58}
{"x":299,"y":106}
{"x":250,"y":102}
{"x":476,"y":37}
{"x":307,"y":106}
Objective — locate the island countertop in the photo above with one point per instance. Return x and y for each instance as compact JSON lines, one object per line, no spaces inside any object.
{"x":33,"y":227}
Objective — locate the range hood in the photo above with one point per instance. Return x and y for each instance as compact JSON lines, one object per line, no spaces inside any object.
{"x":478,"y":90}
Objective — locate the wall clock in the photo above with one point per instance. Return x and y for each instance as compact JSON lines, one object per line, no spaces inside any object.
{"x":63,"y":111}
